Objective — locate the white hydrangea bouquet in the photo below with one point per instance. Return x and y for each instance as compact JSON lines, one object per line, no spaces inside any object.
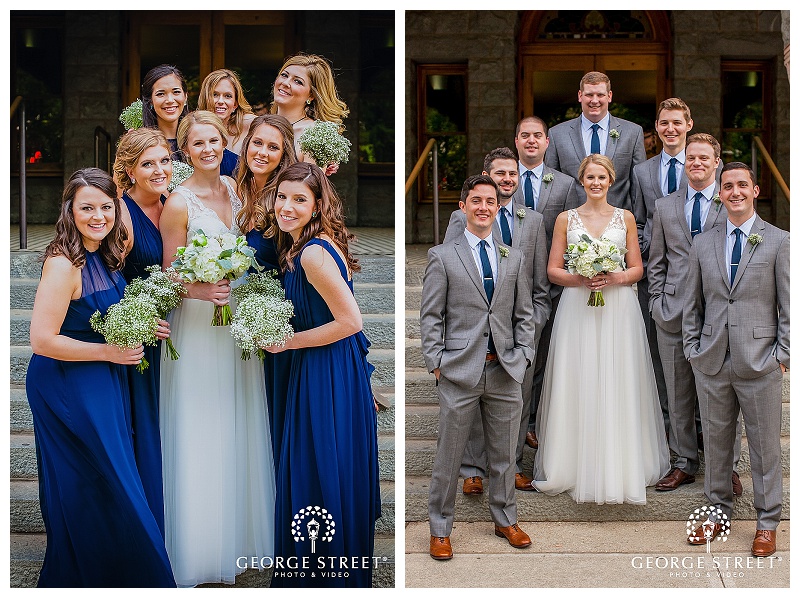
{"x":128,"y":324}
{"x":164,"y":290}
{"x":262,"y":314}
{"x":131,"y":118}
{"x":213,"y":258}
{"x":324,"y":144}
{"x":590,"y":257}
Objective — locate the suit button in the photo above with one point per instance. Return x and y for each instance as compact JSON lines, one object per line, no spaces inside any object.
{"x":730,"y":300}
{"x":487,"y":334}
{"x":490,"y":311}
{"x":726,"y":326}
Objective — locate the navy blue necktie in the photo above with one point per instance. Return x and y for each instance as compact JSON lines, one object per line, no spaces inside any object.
{"x":695,"y":228}
{"x":504,"y":228}
{"x":595,"y":139}
{"x":736,"y":255}
{"x":527,"y":188}
{"x":672,"y":178}
{"x":488,"y":284}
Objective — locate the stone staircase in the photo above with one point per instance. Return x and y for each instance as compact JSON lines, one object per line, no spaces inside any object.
{"x":421,"y":429}
{"x":374,"y":290}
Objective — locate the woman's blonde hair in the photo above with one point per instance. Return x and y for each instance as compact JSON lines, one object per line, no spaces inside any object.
{"x":130,"y":148}
{"x":199,"y":117}
{"x":600,"y":160}
{"x":325,"y":104}
{"x":235,"y":123}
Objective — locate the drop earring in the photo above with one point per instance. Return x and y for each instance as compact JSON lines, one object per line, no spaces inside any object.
{"x":314,"y":214}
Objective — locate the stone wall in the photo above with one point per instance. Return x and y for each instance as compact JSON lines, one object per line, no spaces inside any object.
{"x":486,"y":42}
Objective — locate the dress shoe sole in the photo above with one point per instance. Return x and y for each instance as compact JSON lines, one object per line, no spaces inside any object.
{"x":472,"y":492}
{"x":670,"y":488}
{"x":765,"y":554}
{"x":442,"y":558}
{"x":500,"y":535}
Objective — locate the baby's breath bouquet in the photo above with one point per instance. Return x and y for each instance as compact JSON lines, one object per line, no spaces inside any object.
{"x":323,"y":143}
{"x":262,"y":314}
{"x":180,"y":172}
{"x":212,"y":258}
{"x":590,"y":257}
{"x":128,"y":324}
{"x":165,"y":292}
{"x":131,"y":117}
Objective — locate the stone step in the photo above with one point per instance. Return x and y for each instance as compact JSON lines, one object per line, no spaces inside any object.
{"x":382,"y":359}
{"x":379,"y":329}
{"x":27,"y":554}
{"x":420,"y":453}
{"x":20,"y":326}
{"x":22,"y":292}
{"x":21,"y":419}
{"x":413,"y":298}
{"x":26,"y":264}
{"x":535,"y":506}
{"x":412,"y":324}
{"x":413,"y":353}
{"x":26,"y":517}
{"x":23,"y":456}
{"x":421,"y":388}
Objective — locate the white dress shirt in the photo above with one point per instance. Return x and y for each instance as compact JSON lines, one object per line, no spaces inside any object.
{"x":731,"y":239}
{"x":705,"y":204}
{"x":680,"y":166}
{"x":475,"y":245}
{"x":602,"y":133}
{"x":536,"y":180}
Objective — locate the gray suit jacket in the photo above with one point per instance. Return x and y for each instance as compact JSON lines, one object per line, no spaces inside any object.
{"x":749,"y":318}
{"x":456,"y":316}
{"x":559,"y":195}
{"x":566,"y":152}
{"x":669,"y":255}
{"x":645,"y":190}
{"x":529,"y":237}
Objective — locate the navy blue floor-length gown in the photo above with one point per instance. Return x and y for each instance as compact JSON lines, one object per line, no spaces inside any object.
{"x":100,"y":529}
{"x":147,"y":251}
{"x":327,"y":469}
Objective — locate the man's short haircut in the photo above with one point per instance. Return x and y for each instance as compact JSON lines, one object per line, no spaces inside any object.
{"x":498,"y":153}
{"x":739,"y":166}
{"x":674,"y":104}
{"x":595,"y":78}
{"x":474,"y":181}
{"x":705,"y":138}
{"x":533,"y":119}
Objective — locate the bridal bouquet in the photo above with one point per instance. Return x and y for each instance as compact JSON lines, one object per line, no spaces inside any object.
{"x":131,"y":118}
{"x":163,"y":290}
{"x":590,"y":257}
{"x":324,"y":144}
{"x":262,"y":315}
{"x":128,"y":324}
{"x":212,"y":258}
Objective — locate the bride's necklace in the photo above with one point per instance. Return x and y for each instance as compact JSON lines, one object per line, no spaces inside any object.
{"x":305,"y":116}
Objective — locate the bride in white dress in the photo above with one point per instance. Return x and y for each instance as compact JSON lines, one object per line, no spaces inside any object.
{"x":601,"y":433}
{"x":219,"y":481}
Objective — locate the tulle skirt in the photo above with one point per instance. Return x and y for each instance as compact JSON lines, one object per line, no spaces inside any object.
{"x":600,"y":427}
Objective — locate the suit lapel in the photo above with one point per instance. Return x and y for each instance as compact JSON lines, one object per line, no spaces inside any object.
{"x":716,"y":213}
{"x":501,"y":269}
{"x":655,"y":176}
{"x":577,"y":139}
{"x":611,"y":143}
{"x":681,"y":216}
{"x":465,"y":255}
{"x":748,"y":250}
{"x":519,"y":223}
{"x":719,"y":243}
{"x":544,"y":191}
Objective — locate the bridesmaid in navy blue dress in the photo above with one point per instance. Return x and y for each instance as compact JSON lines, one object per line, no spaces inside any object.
{"x":328,"y":493}
{"x":100,"y":529}
{"x":142,"y":169}
{"x":222,"y":94}
{"x":267,"y":149}
{"x":164,"y":103}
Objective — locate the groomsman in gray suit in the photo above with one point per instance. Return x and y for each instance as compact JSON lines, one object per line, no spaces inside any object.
{"x":549,"y":192}
{"x":476,"y":324}
{"x":596,"y":131}
{"x":736,"y":337}
{"x":523,"y":229}
{"x":661,"y":175}
{"x":678,"y":218}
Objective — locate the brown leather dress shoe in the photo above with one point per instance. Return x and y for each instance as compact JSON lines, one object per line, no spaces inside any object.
{"x":737,"y":485}
{"x":441,"y":549}
{"x":764,"y":542}
{"x":515,"y":536}
{"x":673,"y":479}
{"x":473,"y":486}
{"x":531,"y":440}
{"x":523,"y":482}
{"x":698,"y":537}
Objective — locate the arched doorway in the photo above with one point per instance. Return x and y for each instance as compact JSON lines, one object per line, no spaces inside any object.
{"x":556,"y":48}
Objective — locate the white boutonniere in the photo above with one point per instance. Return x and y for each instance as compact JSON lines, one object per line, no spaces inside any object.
{"x":503,"y":252}
{"x":754,"y":240}
{"x":521,"y":214}
{"x":614,"y":134}
{"x":717,"y":201}
{"x":548,"y":178}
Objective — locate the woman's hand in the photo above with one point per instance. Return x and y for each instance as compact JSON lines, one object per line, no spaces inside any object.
{"x":162,"y":332}
{"x":125,"y":356}
{"x":600,"y":281}
{"x":217,"y":293}
{"x":331,"y":169}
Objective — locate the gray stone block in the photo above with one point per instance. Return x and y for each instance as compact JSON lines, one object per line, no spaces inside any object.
{"x":374,"y":297}
{"x":379,"y":329}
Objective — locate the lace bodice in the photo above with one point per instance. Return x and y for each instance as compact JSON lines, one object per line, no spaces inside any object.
{"x":615,"y":230}
{"x":203,"y":217}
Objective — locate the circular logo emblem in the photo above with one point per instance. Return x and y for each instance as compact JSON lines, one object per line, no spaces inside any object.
{"x":699,"y":526}
{"x":313,"y":523}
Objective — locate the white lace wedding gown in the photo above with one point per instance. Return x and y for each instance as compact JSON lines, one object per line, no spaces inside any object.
{"x":219,"y":481}
{"x":600,"y":428}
